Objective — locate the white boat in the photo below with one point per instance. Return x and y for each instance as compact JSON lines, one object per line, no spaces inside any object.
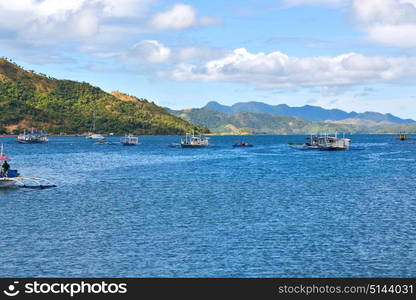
{"x":91,"y":135}
{"x":129,"y":140}
{"x":94,"y":136}
{"x":324,"y":143}
{"x":33,"y":137}
{"x":194,"y":141}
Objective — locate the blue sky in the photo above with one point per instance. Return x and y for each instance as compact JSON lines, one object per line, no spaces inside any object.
{"x":348,"y":54}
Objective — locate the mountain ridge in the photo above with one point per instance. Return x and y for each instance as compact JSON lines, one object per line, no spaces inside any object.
{"x":307,"y":112}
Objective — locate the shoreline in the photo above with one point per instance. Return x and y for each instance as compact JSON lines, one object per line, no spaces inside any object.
{"x":206,"y":134}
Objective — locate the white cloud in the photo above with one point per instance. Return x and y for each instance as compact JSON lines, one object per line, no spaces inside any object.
{"x":150,"y":51}
{"x":390,"y":22}
{"x":100,"y":23}
{"x":180,"y":16}
{"x":126,"y":8}
{"x":277,"y":69}
{"x":199,"y":53}
{"x":54,"y":21}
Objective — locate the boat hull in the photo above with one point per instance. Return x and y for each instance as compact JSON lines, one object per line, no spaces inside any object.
{"x":7,"y":183}
{"x":32,"y":142}
{"x":303,"y":147}
{"x":193,"y":146}
{"x":242,"y":146}
{"x":333,"y":148}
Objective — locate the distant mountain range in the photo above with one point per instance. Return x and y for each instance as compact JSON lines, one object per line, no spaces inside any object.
{"x":261,"y":118}
{"x":307,"y":112}
{"x":258,"y":123}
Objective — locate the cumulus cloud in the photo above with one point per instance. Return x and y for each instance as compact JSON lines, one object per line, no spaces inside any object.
{"x":54,"y":21}
{"x":103,"y":23}
{"x":277,"y":69}
{"x":180,"y":16}
{"x":390,"y":22}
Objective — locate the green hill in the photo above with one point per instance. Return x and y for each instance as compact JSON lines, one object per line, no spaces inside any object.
{"x":258,"y":123}
{"x":30,"y":100}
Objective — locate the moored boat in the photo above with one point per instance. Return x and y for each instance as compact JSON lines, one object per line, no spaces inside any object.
{"x":91,"y":135}
{"x":323,"y":143}
{"x":33,"y":137}
{"x":194,"y":141}
{"x":94,"y":136}
{"x":129,"y":140}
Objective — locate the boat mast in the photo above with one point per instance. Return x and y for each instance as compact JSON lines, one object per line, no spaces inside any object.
{"x":93,"y":122}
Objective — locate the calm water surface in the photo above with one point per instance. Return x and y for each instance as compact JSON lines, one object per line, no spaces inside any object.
{"x":152,"y":210}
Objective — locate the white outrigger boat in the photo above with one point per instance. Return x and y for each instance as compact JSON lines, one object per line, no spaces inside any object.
{"x":324,"y":143}
{"x":33,"y":137}
{"x":129,"y":140}
{"x":194,"y":141}
{"x":11,"y":178}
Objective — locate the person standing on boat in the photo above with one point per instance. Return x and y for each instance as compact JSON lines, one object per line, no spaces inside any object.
{"x":5,"y":168}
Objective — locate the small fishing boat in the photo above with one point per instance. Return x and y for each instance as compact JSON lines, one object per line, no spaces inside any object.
{"x":129,"y":140}
{"x":241,"y":144}
{"x":33,"y":137}
{"x":11,"y":178}
{"x":194,"y":141}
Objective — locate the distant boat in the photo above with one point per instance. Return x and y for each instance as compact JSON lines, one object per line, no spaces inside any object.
{"x":194,"y":141}
{"x":91,"y":135}
{"x":129,"y":140}
{"x":323,"y":143}
{"x":403,"y":137}
{"x":33,"y":137}
{"x":241,"y":144}
{"x":94,"y":136}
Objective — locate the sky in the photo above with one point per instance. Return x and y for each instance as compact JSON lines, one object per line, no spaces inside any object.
{"x":355,"y":55}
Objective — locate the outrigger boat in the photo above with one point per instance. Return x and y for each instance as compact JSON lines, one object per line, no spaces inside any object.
{"x":324,"y":143}
{"x":11,"y":178}
{"x":194,"y":141}
{"x":33,"y":137}
{"x":129,"y":140}
{"x":241,"y":144}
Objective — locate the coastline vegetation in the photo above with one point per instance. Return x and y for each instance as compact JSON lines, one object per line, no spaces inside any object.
{"x":35,"y":100}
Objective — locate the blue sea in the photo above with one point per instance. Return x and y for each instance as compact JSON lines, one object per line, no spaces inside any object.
{"x":156,"y":211}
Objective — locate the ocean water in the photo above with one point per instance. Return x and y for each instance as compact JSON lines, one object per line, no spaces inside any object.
{"x":266,"y":211}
